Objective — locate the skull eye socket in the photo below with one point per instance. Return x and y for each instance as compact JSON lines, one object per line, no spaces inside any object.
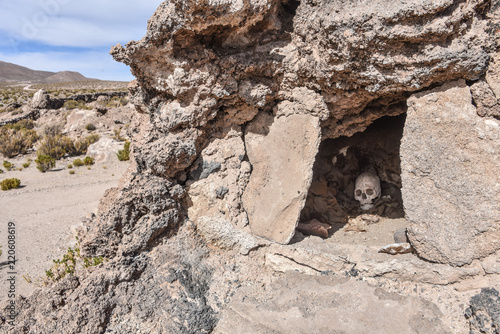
{"x":369,"y":192}
{"x":358,"y":192}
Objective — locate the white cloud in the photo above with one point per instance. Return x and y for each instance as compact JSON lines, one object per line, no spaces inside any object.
{"x":76,"y":23}
{"x":60,"y":35}
{"x":91,"y":64}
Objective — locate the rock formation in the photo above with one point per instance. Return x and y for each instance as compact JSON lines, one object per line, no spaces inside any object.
{"x":451,"y":184}
{"x":233,"y":99}
{"x":484,"y":312}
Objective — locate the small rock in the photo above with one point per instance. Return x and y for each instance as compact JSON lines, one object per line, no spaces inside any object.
{"x":205,"y":169}
{"x":400,"y":236}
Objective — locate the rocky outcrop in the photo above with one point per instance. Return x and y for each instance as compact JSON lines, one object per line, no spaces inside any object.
{"x":348,"y":68}
{"x":41,"y":100}
{"x":234,"y":98}
{"x":57,"y":103}
{"x":484,"y":312}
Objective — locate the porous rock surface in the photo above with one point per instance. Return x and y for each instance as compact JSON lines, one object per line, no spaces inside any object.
{"x":451,"y":184}
{"x":206,"y":71}
{"x":326,"y":305}
{"x":484,"y":312}
{"x":272,"y":198}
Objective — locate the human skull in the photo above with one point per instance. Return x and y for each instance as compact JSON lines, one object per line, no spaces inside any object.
{"x":367,"y":189}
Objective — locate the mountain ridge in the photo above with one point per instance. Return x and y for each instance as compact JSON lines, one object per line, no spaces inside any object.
{"x":10,"y":72}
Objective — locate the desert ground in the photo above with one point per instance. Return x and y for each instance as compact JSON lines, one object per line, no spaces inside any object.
{"x":48,"y":207}
{"x":46,"y":210}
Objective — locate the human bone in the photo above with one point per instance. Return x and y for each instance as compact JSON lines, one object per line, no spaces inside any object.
{"x":398,"y":248}
{"x":367,"y":189}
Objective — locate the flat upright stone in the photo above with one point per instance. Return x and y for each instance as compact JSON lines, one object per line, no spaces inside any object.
{"x":450,"y":170}
{"x":282,"y":151}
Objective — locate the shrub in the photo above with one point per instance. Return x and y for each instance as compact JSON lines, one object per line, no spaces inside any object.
{"x":90,"y":127}
{"x":25,"y":124}
{"x":124,"y":154}
{"x":1,"y":171}
{"x":117,"y":136}
{"x":52,"y":130}
{"x":77,"y":163}
{"x":71,"y":262}
{"x":55,"y":146}
{"x":80,"y":146}
{"x":70,"y":166}
{"x":88,"y":161}
{"x":26,"y":164}
{"x":72,"y":172}
{"x":7,"y":165}
{"x":8,"y":184}
{"x":92,"y":139}
{"x":116,"y":102}
{"x":70,"y":104}
{"x":15,"y":141}
{"x":45,"y":163}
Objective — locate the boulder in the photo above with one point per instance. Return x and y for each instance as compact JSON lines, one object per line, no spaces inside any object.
{"x":221,"y":233}
{"x":41,"y":100}
{"x":104,"y":150}
{"x":282,"y":152}
{"x":450,"y":170}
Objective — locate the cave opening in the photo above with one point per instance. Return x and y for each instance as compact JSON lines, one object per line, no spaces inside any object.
{"x":332,"y":198}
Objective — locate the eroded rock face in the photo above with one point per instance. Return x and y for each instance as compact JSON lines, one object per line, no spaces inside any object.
{"x":451,"y":176}
{"x":217,"y":180}
{"x":484,"y":312}
{"x":486,"y":92}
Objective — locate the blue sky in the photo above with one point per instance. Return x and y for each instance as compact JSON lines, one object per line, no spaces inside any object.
{"x":72,"y":35}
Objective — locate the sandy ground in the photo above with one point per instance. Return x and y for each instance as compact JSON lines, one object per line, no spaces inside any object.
{"x":46,"y":211}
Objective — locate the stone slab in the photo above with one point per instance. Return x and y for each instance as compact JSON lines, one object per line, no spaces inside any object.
{"x":450,"y":170}
{"x":282,"y":153}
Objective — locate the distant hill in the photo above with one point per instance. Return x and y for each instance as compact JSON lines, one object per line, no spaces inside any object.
{"x":14,"y":73}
